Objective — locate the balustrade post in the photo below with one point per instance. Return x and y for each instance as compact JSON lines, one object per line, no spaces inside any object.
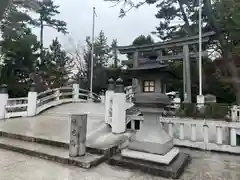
{"x":170,"y":129}
{"x":75,"y":92}
{"x":181,"y":136}
{"x":119,"y":108}
{"x":233,"y":137}
{"x":205,"y":133}
{"x":234,"y":113}
{"x":32,"y":101}
{"x":219,"y":135}
{"x":108,"y":98}
{"x":57,"y":93}
{"x":133,"y":124}
{"x":193,"y":132}
{"x":102,"y":97}
{"x":77,"y":146}
{"x":3,"y":100}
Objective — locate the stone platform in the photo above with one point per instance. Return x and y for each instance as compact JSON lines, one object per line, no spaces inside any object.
{"x":47,"y":135}
{"x":172,"y":170}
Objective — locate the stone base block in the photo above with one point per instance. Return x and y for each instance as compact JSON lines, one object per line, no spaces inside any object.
{"x":162,"y":159}
{"x":173,"y":170}
{"x":151,"y":147}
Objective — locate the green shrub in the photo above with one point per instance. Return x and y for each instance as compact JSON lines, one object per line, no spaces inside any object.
{"x":216,"y":110}
{"x":209,"y":111}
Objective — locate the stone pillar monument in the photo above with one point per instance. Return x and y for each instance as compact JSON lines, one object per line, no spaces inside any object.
{"x":77,"y":145}
{"x":108,"y":100}
{"x":3,"y":100}
{"x":32,"y":101}
{"x":119,"y":108}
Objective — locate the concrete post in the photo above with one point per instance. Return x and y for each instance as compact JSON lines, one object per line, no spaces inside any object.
{"x":3,"y":100}
{"x":102,"y":98}
{"x":77,"y":145}
{"x":108,"y":100}
{"x":75,"y":92}
{"x":234,"y":113}
{"x":32,"y":101}
{"x":119,"y":109}
{"x":57,"y":93}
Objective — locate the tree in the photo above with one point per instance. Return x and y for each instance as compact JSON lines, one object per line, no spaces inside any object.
{"x":100,"y":62}
{"x":220,"y":16}
{"x":142,"y":40}
{"x":47,"y":11}
{"x":20,"y":53}
{"x":56,"y":66}
{"x":12,"y":14}
{"x":76,"y":54}
{"x":114,"y":53}
{"x":6,"y":5}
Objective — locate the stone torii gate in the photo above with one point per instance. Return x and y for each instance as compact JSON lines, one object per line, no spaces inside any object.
{"x":159,"y":47}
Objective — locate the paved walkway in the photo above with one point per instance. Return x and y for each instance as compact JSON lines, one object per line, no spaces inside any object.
{"x":204,"y":166}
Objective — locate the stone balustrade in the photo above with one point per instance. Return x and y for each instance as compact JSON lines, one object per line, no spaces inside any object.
{"x":201,"y":134}
{"x":35,"y":103}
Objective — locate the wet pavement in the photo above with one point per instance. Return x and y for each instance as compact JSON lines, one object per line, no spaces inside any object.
{"x":204,"y":166}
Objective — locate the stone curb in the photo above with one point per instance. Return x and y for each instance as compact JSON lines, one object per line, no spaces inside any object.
{"x":69,"y":161}
{"x":106,"y":152}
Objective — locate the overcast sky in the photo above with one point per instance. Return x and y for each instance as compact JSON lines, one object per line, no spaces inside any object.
{"x":78,"y":15}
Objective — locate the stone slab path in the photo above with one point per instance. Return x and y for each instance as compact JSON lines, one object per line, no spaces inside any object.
{"x":204,"y":166}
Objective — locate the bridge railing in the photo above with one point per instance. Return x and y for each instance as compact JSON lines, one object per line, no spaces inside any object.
{"x":16,"y":107}
{"x":200,"y":134}
{"x":35,"y":103}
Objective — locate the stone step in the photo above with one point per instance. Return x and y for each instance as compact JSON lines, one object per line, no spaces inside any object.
{"x":52,"y":153}
{"x":57,"y":144}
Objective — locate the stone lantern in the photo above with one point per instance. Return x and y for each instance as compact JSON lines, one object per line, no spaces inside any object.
{"x":152,"y":147}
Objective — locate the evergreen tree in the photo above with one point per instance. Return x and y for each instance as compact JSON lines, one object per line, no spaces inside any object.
{"x":20,"y":54}
{"x":56,"y":66}
{"x":47,"y":12}
{"x":114,"y":54}
{"x":12,"y":18}
{"x":100,"y":62}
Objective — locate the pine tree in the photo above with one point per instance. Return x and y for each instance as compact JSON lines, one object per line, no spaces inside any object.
{"x":47,"y":12}
{"x":20,"y":53}
{"x":100,"y":61}
{"x":56,"y":66}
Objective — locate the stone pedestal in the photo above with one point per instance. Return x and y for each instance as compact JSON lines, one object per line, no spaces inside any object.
{"x":151,"y":142}
{"x":151,"y":138}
